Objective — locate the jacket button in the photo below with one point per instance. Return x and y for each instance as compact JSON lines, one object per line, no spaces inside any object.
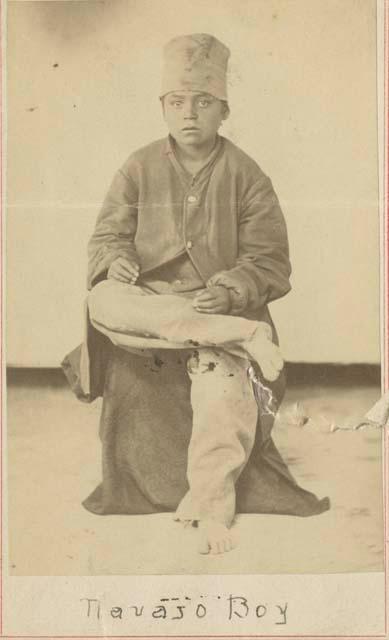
{"x":189,"y":244}
{"x":192,"y":199}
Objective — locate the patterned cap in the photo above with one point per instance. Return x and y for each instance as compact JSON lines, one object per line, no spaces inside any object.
{"x":196,"y":62}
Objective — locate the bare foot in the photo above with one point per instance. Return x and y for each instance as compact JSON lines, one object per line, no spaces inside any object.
{"x":215,"y":537}
{"x":261,"y":348}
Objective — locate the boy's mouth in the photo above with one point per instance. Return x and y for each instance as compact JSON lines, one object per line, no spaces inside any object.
{"x":190,"y":129}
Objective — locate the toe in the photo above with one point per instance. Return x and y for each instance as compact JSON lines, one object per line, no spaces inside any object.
{"x":227,"y":545}
{"x":223,"y":546}
{"x":214,"y":547}
{"x":203,"y":546}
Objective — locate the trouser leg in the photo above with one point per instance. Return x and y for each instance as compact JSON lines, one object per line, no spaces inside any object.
{"x":127,"y":314}
{"x":223,"y":434}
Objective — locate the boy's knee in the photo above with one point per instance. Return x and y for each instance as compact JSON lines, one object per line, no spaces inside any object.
{"x":106,"y":299}
{"x":202,"y":361}
{"x":102,"y":290}
{"x":99,"y":295}
{"x":215,"y":360}
{"x":109,"y":291}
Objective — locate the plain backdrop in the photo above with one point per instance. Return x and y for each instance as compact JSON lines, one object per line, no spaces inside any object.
{"x":83,"y":83}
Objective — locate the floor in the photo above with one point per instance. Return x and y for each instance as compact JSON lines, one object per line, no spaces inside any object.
{"x":54,"y":463}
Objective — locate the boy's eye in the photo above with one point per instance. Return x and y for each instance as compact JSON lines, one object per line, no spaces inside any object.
{"x":203,"y":103}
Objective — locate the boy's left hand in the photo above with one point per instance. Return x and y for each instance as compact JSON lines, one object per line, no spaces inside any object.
{"x":213,"y":300}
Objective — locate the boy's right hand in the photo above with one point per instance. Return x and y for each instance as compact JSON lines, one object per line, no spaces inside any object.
{"x":124,"y":270}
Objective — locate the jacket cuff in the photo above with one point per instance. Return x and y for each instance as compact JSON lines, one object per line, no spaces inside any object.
{"x":238,"y":293}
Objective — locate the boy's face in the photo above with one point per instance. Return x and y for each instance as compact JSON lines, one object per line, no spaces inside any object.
{"x":193,"y":118}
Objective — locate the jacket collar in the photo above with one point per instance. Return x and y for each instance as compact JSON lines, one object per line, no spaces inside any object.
{"x":186,"y":177}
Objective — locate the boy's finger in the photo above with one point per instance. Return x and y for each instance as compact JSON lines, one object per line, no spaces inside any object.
{"x":122,"y":260}
{"x":210,"y":304}
{"x":207,"y":309}
{"x":206,"y":293}
{"x":119,"y":278}
{"x":128,"y":266}
{"x":117,"y":267}
{"x":123,"y":273}
{"x":205,"y":297}
{"x":131,"y":270}
{"x":117,"y":273}
{"x":205,"y":300}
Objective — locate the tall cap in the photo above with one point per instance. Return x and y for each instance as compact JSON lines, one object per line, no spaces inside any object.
{"x":197,"y":62}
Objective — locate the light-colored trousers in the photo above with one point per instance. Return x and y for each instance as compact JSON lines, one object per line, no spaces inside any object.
{"x":223,"y":402}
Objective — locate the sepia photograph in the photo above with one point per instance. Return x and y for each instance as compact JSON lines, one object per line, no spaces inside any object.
{"x":195,"y":336}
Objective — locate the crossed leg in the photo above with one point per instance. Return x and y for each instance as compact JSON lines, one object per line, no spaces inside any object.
{"x":133,"y":318}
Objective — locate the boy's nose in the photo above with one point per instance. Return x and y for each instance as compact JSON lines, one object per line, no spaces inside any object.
{"x":190,"y":113}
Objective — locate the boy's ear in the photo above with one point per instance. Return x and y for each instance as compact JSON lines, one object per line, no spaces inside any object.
{"x":161,"y":99}
{"x":225,"y":111}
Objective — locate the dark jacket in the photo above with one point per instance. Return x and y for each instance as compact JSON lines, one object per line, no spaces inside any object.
{"x":227,"y":220}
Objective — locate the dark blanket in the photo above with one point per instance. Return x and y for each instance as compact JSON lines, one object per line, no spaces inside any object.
{"x":145,"y":431}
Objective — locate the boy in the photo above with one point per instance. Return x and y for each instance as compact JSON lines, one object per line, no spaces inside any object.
{"x":188,"y":249}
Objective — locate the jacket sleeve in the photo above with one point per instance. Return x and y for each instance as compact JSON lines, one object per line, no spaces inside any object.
{"x":115,"y":228}
{"x":262,"y":269}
